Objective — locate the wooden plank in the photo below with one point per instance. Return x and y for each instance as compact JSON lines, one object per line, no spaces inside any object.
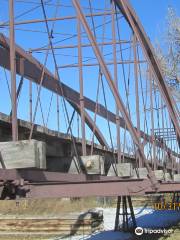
{"x":23,"y":154}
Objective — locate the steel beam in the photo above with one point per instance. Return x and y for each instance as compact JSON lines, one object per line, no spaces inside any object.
{"x":102,"y":189}
{"x":34,"y":21}
{"x":13,"y":73}
{"x":137,"y":90}
{"x":90,"y":188}
{"x":81,"y":84}
{"x":116,"y":83}
{"x":152,"y":119}
{"x":50,"y":185}
{"x":38,"y":176}
{"x":134,"y":22}
{"x":97,"y":64}
{"x":115,"y":92}
{"x":82,"y":45}
{"x":32,"y":71}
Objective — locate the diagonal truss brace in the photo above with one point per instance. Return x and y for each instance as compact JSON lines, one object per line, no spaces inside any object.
{"x":31,"y":69}
{"x":114,"y":90}
{"x":138,"y":29}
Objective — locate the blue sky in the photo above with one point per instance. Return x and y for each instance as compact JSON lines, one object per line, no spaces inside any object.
{"x":153,"y":15}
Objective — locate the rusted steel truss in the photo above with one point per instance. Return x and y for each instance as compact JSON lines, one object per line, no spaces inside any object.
{"x":31,"y":69}
{"x":115,"y":92}
{"x":43,"y":184}
{"x":149,"y":52}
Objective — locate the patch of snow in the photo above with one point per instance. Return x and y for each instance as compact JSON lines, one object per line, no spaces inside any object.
{"x":150,"y":218}
{"x":145,"y":218}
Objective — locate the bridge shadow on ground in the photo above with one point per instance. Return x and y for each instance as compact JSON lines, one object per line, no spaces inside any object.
{"x":147,"y":219}
{"x":80,"y":223}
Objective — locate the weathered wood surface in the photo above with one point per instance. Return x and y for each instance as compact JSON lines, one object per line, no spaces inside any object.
{"x":123,"y":170}
{"x":23,"y":154}
{"x":177,"y":177}
{"x":168,"y":176}
{"x":159,"y":174}
{"x":93,"y":164}
{"x":72,"y":224}
{"x":142,"y":172}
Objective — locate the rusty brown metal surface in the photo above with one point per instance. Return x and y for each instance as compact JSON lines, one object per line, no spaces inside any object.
{"x":36,"y":183}
{"x":43,"y":184}
{"x":42,"y":176}
{"x":13,"y":73}
{"x":32,"y":71}
{"x":149,"y":52}
{"x":90,"y":189}
{"x":101,"y":188}
{"x":115,"y":92}
{"x":169,"y":187}
{"x":34,"y":21}
{"x":81,"y":86}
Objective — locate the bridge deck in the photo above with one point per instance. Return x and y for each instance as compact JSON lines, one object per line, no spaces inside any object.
{"x":43,"y":184}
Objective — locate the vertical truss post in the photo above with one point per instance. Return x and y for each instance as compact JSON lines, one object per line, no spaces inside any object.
{"x":138,"y":29}
{"x":13,"y":73}
{"x":78,"y":125}
{"x":113,"y":88}
{"x":152,"y":120}
{"x":137,"y":90}
{"x":117,"y":214}
{"x":20,"y":83}
{"x":162,"y":116}
{"x":57,"y":104}
{"x":132,"y":211}
{"x":116,"y":83}
{"x":81,"y":87}
{"x":30,"y":101}
{"x":122,"y":212}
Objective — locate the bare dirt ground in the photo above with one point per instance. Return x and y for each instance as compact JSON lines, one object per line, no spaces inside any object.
{"x":43,"y":219}
{"x":56,"y":208}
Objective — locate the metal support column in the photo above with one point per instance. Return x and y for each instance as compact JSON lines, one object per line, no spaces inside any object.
{"x":57,"y":104}
{"x":152,"y":119}
{"x":137,"y":91}
{"x":30,"y":101}
{"x":117,"y":97}
{"x":13,"y":73}
{"x":122,"y":210}
{"x":149,"y":52}
{"x":117,"y":214}
{"x":116,"y":83}
{"x":81,"y":88}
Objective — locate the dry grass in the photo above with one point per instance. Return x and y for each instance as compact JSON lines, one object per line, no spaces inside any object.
{"x":57,"y":207}
{"x":45,"y":207}
{"x":41,"y":208}
{"x":175,"y":235}
{"x":4,"y":237}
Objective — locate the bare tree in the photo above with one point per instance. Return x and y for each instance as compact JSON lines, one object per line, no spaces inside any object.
{"x":170,"y":58}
